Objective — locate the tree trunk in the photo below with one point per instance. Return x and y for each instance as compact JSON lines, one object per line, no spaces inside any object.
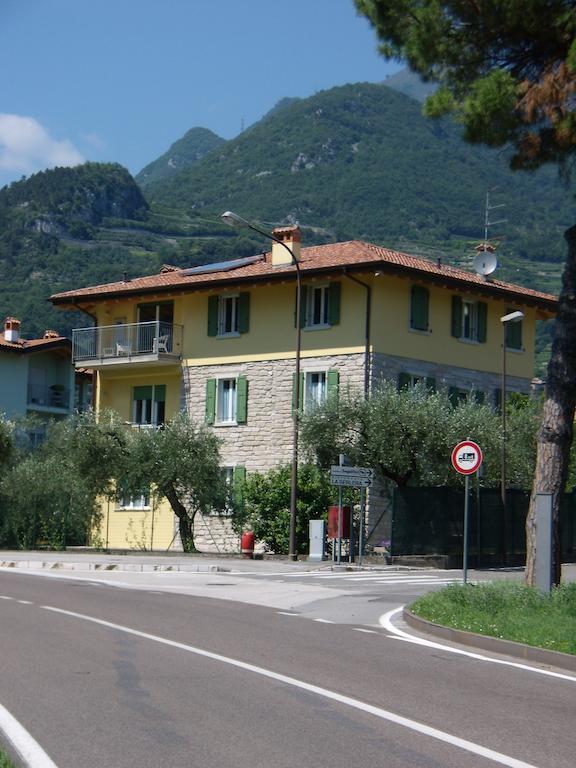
{"x":555,"y":434}
{"x":185,"y":520}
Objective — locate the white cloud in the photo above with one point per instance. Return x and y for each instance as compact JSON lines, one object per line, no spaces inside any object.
{"x":95,"y":141}
{"x":26,"y":147}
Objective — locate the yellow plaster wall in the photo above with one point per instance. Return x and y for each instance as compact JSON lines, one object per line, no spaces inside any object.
{"x":115,"y":388}
{"x":272,"y":333}
{"x":135,"y":529}
{"x":391,"y":332}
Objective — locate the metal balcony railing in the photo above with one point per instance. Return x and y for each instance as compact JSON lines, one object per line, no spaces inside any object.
{"x":127,"y":342}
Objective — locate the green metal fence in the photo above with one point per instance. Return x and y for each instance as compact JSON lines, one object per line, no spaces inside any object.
{"x":430,"y":521}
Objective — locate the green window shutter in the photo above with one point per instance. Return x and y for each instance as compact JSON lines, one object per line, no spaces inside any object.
{"x":419,"y":299}
{"x":334,"y":291}
{"x":479,"y":397}
{"x":457,"y":317}
{"x":404,"y":380}
{"x":142,"y":393}
{"x":482,"y":314}
{"x":332,"y":382}
{"x":241,"y":399}
{"x":498,"y":398}
{"x":454,"y":396}
{"x":212,"y":315}
{"x":303,"y":302}
{"x":210,"y":400}
{"x":431,"y":383}
{"x":514,"y":335}
{"x":160,"y":393}
{"x":244,"y":312}
{"x":301,"y":392}
{"x":238,"y":482}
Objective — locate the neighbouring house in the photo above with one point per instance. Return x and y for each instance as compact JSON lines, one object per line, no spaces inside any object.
{"x":219,"y":341}
{"x":36,"y":377}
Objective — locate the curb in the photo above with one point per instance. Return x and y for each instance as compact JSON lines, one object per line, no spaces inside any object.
{"x":495,"y":644}
{"x":58,"y":565}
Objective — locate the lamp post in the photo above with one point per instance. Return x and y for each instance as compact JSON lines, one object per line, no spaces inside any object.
{"x":512,"y":317}
{"x":234,"y":220}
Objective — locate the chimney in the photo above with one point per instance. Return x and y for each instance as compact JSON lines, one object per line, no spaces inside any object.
{"x":51,"y":335}
{"x":292,"y":237}
{"x":12,"y":329}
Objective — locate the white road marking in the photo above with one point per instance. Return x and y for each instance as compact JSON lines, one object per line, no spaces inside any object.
{"x":323,"y":621}
{"x":399,"y":634}
{"x":6,"y":597}
{"x":366,"y":631}
{"x":25,"y":746}
{"x":379,"y":712}
{"x":287,"y":613}
{"x":24,"y":602}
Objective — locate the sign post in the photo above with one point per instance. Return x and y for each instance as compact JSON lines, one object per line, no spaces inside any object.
{"x":466,"y":459}
{"x":350,"y":477}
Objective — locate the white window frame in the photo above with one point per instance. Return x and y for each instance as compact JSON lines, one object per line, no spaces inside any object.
{"x":138,"y":502}
{"x":470,"y":317}
{"x":310,"y":402}
{"x":153,"y":411}
{"x":311,"y":293}
{"x":227,"y":416}
{"x":224,"y":301}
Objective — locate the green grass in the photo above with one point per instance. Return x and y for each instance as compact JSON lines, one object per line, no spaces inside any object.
{"x":5,"y":761}
{"x":506,"y":610}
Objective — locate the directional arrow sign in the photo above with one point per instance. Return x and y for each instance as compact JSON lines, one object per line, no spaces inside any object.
{"x":356,"y":477}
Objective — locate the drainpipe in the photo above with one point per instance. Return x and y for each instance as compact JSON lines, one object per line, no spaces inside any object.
{"x":366,"y":331}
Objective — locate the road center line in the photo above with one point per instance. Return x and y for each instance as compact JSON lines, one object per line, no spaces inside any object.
{"x":399,"y":634}
{"x":23,"y":744}
{"x":383,"y":714}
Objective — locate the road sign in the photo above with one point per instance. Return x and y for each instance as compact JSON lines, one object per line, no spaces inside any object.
{"x":467,"y":457}
{"x":354,"y":477}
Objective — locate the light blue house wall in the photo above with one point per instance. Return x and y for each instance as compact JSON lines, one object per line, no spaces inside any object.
{"x":13,"y":384}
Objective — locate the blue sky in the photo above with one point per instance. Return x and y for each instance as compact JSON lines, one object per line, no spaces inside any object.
{"x":120,"y":80}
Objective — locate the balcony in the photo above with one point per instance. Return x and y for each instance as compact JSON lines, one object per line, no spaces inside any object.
{"x":128,"y":344}
{"x":54,"y":398}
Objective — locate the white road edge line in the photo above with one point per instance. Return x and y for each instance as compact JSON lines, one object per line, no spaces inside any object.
{"x":22,"y":743}
{"x":385,"y":621}
{"x":383,"y":714}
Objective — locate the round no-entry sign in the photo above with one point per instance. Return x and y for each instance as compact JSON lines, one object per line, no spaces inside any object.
{"x":466,"y":457}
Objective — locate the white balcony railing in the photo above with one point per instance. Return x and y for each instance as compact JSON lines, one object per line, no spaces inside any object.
{"x":126,"y":343}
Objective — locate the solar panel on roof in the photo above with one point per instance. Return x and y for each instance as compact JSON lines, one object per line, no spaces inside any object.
{"x":221,"y":266}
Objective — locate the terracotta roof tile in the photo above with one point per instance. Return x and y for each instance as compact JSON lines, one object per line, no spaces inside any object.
{"x":333,"y":258}
{"x":27,"y":345}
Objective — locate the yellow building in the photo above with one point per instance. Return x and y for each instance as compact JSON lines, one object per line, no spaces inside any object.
{"x":219,"y":341}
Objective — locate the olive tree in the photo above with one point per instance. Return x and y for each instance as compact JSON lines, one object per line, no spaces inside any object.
{"x":181,"y":463}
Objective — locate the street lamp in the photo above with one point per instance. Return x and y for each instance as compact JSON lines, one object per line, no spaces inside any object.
{"x":234,"y":220}
{"x":512,"y":317}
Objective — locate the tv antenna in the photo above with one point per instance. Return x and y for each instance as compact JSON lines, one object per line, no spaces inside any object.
{"x":485,"y":261}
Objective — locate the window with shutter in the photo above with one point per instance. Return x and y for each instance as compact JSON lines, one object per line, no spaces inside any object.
{"x":320,"y":305}
{"x":210,"y":401}
{"x":469,"y":319}
{"x":419,"y":300}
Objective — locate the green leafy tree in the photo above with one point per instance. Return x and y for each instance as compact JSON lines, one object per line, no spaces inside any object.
{"x":408,"y":435}
{"x":180,"y":462}
{"x":267,"y":505}
{"x":52,"y":494}
{"x":508,"y":71}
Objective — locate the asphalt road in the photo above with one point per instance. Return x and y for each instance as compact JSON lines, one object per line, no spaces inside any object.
{"x":142,"y":675}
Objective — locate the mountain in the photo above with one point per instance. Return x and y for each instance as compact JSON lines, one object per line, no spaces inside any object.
{"x":360,"y":161}
{"x":357,"y":161}
{"x":410,"y":84}
{"x":184,"y":153}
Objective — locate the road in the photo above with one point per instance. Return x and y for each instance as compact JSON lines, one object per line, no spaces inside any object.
{"x":139,"y":669}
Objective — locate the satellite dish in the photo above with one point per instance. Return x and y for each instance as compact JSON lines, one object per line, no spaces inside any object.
{"x":485,"y":262}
